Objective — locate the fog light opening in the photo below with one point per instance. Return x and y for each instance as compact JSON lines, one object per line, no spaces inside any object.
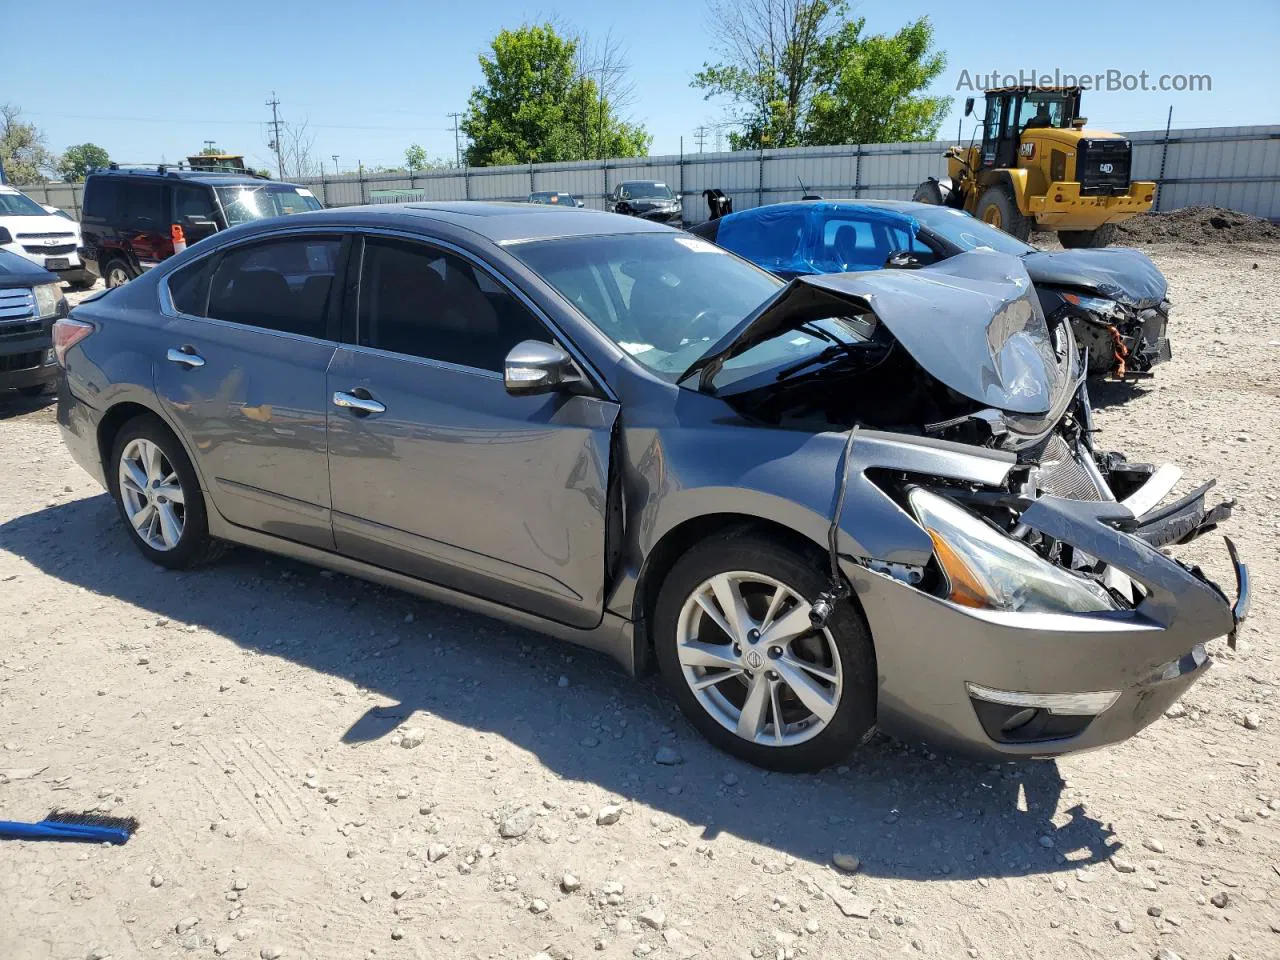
{"x":1019,"y":720}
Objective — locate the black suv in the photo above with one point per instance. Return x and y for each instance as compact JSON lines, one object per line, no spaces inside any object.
{"x":30,"y":301}
{"x":130,"y":214}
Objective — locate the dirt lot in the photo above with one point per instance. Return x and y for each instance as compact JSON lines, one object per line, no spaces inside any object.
{"x":326,"y":769}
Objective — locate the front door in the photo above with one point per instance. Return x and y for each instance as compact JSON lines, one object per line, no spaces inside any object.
{"x":436,"y":471}
{"x":241,"y":370}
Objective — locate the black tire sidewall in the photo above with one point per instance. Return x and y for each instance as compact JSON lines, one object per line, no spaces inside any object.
{"x":1012,"y":222}
{"x":193,"y":543}
{"x":855,"y":716}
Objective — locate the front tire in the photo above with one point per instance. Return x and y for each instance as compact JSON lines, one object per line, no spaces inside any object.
{"x":1083,"y":239}
{"x":997,"y":207}
{"x":928,"y":192}
{"x":158,"y":495}
{"x":735,"y":646}
{"x":116,"y":273}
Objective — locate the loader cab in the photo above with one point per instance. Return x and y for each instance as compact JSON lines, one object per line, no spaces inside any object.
{"x":1013,"y":110}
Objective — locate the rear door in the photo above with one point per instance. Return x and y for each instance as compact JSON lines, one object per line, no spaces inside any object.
{"x":145,"y":219}
{"x":437,"y":471}
{"x":241,"y":370}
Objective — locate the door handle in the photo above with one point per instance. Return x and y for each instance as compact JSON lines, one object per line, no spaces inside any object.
{"x":186,"y":357}
{"x":358,"y":405}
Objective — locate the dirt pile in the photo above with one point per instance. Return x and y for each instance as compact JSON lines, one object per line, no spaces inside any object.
{"x":1197,"y":225}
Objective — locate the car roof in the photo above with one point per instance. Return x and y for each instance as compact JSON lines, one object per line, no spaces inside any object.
{"x":208,"y":177}
{"x":905,"y":207}
{"x":496,"y":221}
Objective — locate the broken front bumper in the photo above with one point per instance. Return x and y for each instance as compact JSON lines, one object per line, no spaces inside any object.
{"x":1011,"y":684}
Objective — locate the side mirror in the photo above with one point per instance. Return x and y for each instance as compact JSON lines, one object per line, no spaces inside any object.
{"x":968,"y":105}
{"x":904,"y":260}
{"x":534,"y":367}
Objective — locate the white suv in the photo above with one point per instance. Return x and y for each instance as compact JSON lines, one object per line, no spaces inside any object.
{"x":44,"y":238}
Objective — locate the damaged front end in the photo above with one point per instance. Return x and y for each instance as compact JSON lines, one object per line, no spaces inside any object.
{"x":1014,"y":576}
{"x":1116,"y":300}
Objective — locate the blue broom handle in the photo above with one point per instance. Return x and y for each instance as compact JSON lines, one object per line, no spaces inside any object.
{"x":45,"y":830}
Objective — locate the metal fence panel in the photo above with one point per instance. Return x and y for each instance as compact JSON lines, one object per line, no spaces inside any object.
{"x":1236,"y":167}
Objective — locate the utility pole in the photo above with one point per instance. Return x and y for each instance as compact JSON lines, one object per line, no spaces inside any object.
{"x":700,"y":137}
{"x":334,"y":156}
{"x":719,"y":139}
{"x":274,"y":104}
{"x":457,"y":144}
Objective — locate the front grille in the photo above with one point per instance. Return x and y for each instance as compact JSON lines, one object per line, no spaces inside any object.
{"x":17,"y":304}
{"x":11,"y":329}
{"x":20,"y":361}
{"x":65,"y":235}
{"x":1102,"y":166}
{"x":1061,"y":475}
{"x":61,"y":249}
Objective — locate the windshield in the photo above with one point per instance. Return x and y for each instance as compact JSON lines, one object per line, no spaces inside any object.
{"x":20,"y":205}
{"x":664,"y":298}
{"x":252,"y":202}
{"x":968,"y":233}
{"x":639,"y":190}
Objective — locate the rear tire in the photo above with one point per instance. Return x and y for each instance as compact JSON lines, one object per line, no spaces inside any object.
{"x":1083,"y":239}
{"x":997,"y":207}
{"x":834,"y":668}
{"x":928,"y":192}
{"x":164,"y":499}
{"x":116,"y":273}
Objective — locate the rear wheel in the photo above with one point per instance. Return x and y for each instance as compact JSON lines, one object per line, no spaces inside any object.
{"x":158,"y":495}
{"x":997,"y":207}
{"x":737,"y":650}
{"x":1078,"y":239}
{"x":116,"y":273}
{"x":928,"y":192}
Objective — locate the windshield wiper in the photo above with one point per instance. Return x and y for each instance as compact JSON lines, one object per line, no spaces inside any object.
{"x":823,"y":356}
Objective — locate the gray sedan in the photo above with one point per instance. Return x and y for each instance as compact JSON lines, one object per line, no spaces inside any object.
{"x":819,"y":507}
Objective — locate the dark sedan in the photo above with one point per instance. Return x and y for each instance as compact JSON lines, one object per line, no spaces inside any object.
{"x":1116,"y":299}
{"x":810,"y":508}
{"x":30,"y":300}
{"x":647,"y":199}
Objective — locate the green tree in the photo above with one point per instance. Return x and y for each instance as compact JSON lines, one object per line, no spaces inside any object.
{"x":536,"y":104}
{"x":871,"y":87}
{"x":22,"y":148}
{"x":415,"y":158}
{"x":801,"y":73}
{"x":80,"y":159}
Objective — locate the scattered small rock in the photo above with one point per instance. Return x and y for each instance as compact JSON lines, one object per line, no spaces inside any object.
{"x":608,"y":814}
{"x":1154,"y":845}
{"x":412,"y":737}
{"x":182,"y":926}
{"x":729,"y":779}
{"x":1164,"y":953}
{"x":1252,"y":721}
{"x":437,"y":852}
{"x":1124,"y":925}
{"x":569,"y":883}
{"x":1154,"y":911}
{"x":668,"y":756}
{"x":518,"y":824}
{"x":1122,"y":865}
{"x":654,"y":918}
{"x":157,"y":880}
{"x":271,"y":951}
{"x":846,"y":861}
{"x":223,"y":945}
{"x":397,"y":933}
{"x":539,"y":906}
{"x":1220,"y":899}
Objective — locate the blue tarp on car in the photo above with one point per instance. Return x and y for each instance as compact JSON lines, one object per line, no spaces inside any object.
{"x":818,"y":236}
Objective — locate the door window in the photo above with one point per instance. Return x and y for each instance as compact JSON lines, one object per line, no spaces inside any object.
{"x":423,"y":302}
{"x":192,"y":202}
{"x":144,"y":207}
{"x":280,"y":284}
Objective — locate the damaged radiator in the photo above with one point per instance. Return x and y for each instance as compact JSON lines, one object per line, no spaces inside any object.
{"x":1061,"y":474}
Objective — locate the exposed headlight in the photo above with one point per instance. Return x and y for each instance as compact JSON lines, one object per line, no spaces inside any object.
{"x":986,"y":569}
{"x":48,"y":297}
{"x":1107,"y":308}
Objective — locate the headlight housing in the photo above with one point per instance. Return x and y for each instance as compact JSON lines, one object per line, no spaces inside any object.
{"x":988,"y":570}
{"x":1099,"y":305}
{"x":48,"y":298}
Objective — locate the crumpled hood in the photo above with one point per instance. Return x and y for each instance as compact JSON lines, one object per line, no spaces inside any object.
{"x":972,"y":322}
{"x":1120,"y":273}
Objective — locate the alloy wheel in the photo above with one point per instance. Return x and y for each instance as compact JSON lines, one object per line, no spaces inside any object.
{"x":755,"y":662}
{"x":152,"y":495}
{"x":117,"y":275}
{"x":991,"y":215}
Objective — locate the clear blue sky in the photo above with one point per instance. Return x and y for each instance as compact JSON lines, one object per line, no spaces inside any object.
{"x":150,"y":80}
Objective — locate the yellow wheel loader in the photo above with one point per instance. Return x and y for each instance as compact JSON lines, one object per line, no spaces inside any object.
{"x":1040,"y":168}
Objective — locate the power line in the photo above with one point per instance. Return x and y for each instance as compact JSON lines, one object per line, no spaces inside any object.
{"x":274,"y":104}
{"x":700,"y":137}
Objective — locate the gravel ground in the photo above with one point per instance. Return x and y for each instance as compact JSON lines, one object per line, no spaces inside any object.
{"x":323,"y":768}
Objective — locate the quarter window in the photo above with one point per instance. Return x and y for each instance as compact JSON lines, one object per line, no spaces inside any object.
{"x":189,"y":287}
{"x":421,"y":301}
{"x":280,"y":284}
